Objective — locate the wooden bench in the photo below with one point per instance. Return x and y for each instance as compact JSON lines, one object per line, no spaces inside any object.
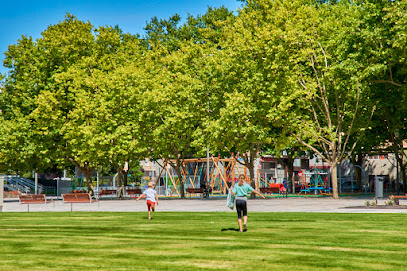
{"x":398,"y":197}
{"x":107,"y":192}
{"x":32,"y":199}
{"x":11,"y":194}
{"x":78,"y":198}
{"x":271,"y":190}
{"x":132,"y":192}
{"x":78,"y":191}
{"x":194,"y":191}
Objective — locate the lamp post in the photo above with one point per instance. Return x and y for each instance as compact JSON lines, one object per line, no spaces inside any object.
{"x":396,"y":136}
{"x":36,"y":183}
{"x":208,"y":182}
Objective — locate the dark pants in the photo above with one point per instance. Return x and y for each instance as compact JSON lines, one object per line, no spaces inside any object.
{"x":241,"y":207}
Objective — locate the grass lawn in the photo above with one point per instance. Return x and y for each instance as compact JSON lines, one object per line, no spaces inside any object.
{"x":202,"y":241}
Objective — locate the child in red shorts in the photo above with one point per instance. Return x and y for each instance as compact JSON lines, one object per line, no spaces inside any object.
{"x":152,"y":198}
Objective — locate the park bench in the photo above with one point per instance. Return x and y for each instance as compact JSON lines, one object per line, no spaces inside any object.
{"x":78,"y":191}
{"x":398,"y":197}
{"x":132,"y":192}
{"x":274,"y":189}
{"x":32,"y":199}
{"x":195,"y":191}
{"x":11,"y":194}
{"x":78,"y":198}
{"x":107,"y":192}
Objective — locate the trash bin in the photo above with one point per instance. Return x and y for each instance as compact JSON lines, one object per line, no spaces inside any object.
{"x":378,"y":187}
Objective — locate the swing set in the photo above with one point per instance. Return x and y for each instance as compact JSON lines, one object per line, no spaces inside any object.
{"x":263,"y":181}
{"x":222,"y":172}
{"x":318,"y":183}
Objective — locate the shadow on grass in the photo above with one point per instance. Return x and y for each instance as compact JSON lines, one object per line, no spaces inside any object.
{"x":229,"y":229}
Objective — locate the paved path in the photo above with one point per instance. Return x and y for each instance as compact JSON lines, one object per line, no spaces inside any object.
{"x":343,"y":205}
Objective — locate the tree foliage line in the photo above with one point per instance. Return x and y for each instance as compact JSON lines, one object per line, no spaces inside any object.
{"x":324,"y":77}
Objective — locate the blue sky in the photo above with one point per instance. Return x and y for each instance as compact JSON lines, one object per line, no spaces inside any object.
{"x":30,"y":18}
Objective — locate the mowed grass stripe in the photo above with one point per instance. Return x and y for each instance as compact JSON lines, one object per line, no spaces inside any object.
{"x":202,"y":241}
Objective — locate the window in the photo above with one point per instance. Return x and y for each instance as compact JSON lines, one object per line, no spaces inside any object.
{"x":268,"y":165}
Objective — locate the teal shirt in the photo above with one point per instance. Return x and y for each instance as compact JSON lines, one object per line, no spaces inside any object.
{"x":241,"y":191}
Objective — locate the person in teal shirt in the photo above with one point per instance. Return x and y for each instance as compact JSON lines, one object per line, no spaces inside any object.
{"x":240,"y":191}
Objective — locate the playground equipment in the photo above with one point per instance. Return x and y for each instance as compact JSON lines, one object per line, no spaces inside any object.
{"x":315,"y":181}
{"x":222,"y":172}
{"x":263,"y":181}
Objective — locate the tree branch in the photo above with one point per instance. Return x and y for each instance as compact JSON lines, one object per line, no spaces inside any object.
{"x":314,"y":149}
{"x":350,"y":126}
{"x":387,"y":82}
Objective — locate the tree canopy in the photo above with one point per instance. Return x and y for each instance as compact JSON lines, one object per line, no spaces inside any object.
{"x":329,"y":76}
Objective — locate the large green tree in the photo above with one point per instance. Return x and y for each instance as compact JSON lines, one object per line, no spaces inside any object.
{"x":79,"y":109}
{"x":171,"y":33}
{"x":101,"y":124}
{"x":322,"y":97}
{"x":175,"y":105}
{"x":338,"y":95}
{"x":33,"y":66}
{"x":171,"y":107}
{"x":383,"y":36}
{"x":248,"y":86}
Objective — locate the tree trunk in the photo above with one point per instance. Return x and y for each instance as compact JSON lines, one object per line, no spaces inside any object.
{"x":252,"y":175}
{"x":403,"y":175}
{"x":86,"y":170}
{"x":249,"y":164}
{"x":119,"y":181}
{"x":358,"y":175}
{"x":177,"y":169}
{"x":357,"y":160}
{"x":125,"y":178}
{"x":119,"y":177}
{"x":334,"y":180}
{"x":88,"y":176}
{"x":252,"y":179}
{"x":290,"y":169}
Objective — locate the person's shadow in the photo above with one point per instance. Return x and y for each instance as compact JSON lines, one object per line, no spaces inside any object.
{"x":229,"y":229}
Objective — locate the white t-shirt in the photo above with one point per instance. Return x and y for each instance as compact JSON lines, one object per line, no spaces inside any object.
{"x":150,"y":194}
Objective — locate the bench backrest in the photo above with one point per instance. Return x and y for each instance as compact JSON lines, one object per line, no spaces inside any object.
{"x":80,"y":197}
{"x":269,"y":189}
{"x":39,"y":198}
{"x":108,"y":192}
{"x":194,"y":190}
{"x":78,"y":191}
{"x":133,"y":191}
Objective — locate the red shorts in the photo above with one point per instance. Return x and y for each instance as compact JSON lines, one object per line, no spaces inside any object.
{"x":150,"y":204}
